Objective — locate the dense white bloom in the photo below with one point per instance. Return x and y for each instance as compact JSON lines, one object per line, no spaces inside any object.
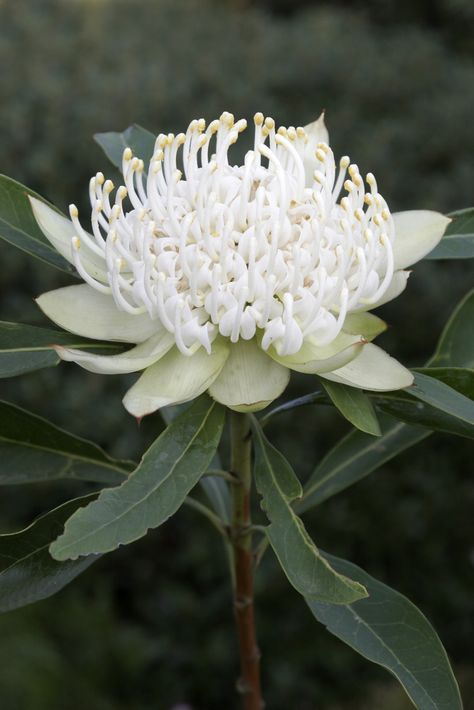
{"x":227,"y":276}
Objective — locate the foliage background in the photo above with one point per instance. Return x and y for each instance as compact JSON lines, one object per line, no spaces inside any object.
{"x":150,"y":626}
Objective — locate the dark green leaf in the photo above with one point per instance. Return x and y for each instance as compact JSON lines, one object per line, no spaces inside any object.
{"x":458,"y":242}
{"x":455,"y":246}
{"x":308,"y":572}
{"x":460,"y":379}
{"x":19,"y":228}
{"x":456,"y":345}
{"x":140,"y":141}
{"x":305,"y":400}
{"x":389,"y":630}
{"x":431,"y":403}
{"x":215,"y":487}
{"x":24,"y":348}
{"x":462,"y":221}
{"x":355,"y":456}
{"x":354,"y":405}
{"x":153,"y":492}
{"x":32,"y":449}
{"x":28,"y":573}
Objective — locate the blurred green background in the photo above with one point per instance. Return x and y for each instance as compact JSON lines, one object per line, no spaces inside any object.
{"x":150,"y":626}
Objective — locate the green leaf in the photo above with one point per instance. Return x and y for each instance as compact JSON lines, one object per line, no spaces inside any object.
{"x":28,"y":573}
{"x":458,"y":242}
{"x":433,"y":404}
{"x":32,"y":449}
{"x":153,"y":492}
{"x":19,"y":228}
{"x":456,"y":344}
{"x":141,"y":141}
{"x":454,"y":246}
{"x":355,"y":456}
{"x":462,"y":221}
{"x":24,"y":348}
{"x":460,"y":379}
{"x":387,"y":629}
{"x":215,"y":487}
{"x":354,"y":405}
{"x":308,"y":572}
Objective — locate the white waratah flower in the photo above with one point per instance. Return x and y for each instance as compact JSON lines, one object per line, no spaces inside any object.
{"x":226,"y":277}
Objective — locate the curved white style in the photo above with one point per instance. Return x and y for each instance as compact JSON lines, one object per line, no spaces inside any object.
{"x":229,"y":276}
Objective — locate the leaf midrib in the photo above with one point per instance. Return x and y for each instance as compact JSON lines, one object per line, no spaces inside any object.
{"x":66,"y":454}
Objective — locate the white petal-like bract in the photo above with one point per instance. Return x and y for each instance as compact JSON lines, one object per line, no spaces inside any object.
{"x":397,"y":285}
{"x":249,"y":380}
{"x":417,"y":232}
{"x":373,"y":369}
{"x":176,"y":378}
{"x":313,"y":360}
{"x":316,"y":132}
{"x":60,"y":231}
{"x":138,"y":358}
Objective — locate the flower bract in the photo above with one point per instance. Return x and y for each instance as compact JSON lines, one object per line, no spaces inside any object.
{"x":226,"y":277}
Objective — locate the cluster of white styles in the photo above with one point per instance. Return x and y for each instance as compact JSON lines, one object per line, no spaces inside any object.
{"x":207,"y":247}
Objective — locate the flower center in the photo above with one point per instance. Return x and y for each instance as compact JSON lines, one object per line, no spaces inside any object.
{"x":209,"y":247}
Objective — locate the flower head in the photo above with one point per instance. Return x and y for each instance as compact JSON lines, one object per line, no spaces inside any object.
{"x":227,"y":276}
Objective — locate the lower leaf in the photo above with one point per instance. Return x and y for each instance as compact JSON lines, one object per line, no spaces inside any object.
{"x":439,"y":406}
{"x":28,"y":573}
{"x":387,"y":629}
{"x":153,"y":492}
{"x":306,"y":569}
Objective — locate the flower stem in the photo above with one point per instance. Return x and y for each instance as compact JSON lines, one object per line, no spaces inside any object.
{"x":241,"y":535}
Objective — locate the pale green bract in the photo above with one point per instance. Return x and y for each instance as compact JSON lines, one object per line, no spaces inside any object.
{"x":225,"y":278}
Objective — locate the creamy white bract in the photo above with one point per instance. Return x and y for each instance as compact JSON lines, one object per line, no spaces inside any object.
{"x":228,"y":276}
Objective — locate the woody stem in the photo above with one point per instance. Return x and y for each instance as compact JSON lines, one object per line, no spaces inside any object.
{"x":243,"y":561}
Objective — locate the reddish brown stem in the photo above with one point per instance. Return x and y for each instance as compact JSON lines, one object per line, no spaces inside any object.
{"x":249,"y":682}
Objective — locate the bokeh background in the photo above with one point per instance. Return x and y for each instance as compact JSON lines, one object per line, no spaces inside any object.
{"x":150,"y":626}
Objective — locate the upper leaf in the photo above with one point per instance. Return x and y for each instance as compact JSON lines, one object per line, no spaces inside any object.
{"x":354,"y":405}
{"x":32,"y":449}
{"x":216,"y":488}
{"x":460,"y":379}
{"x":113,"y":144}
{"x":389,"y":630}
{"x":456,"y":344}
{"x":458,"y":241}
{"x":153,"y":492}
{"x":28,"y":573}
{"x":18,"y":225}
{"x":439,"y":406}
{"x":355,"y":456}
{"x":308,"y":572}
{"x":24,"y":348}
